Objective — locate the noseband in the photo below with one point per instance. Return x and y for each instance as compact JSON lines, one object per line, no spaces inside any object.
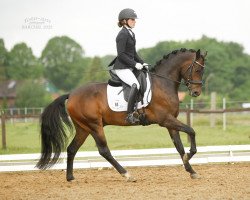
{"x":189,"y":81}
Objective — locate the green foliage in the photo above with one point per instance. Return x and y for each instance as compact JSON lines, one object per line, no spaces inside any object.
{"x":22,"y":64}
{"x":241,"y":92}
{"x":63,"y":62}
{"x":106,"y":60}
{"x":95,"y":72}
{"x":3,"y":61}
{"x":32,"y":94}
{"x":4,"y":103}
{"x":242,"y":75}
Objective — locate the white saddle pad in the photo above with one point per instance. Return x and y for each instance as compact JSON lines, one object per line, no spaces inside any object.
{"x":117,"y":102}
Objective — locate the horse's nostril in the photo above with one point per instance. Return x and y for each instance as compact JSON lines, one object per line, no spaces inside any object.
{"x":196,"y":93}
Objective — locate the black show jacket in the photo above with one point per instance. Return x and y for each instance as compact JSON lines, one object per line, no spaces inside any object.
{"x":127,"y":56}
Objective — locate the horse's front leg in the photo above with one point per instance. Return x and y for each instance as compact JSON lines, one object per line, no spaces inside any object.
{"x":175,"y":136}
{"x":174,"y":124}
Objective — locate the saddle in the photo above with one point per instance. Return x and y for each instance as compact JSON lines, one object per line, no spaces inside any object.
{"x":141,"y":76}
{"x":118,"y":94}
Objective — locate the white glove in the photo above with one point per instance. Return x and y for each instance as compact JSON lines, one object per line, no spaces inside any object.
{"x":138,"y":66}
{"x":145,"y":65}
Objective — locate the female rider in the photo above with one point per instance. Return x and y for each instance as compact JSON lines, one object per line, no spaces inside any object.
{"x":127,"y":59}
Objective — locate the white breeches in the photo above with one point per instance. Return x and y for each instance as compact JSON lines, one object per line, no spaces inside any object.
{"x":128,"y":77}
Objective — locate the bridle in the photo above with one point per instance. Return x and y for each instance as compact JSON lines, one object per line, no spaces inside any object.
{"x":189,"y":80}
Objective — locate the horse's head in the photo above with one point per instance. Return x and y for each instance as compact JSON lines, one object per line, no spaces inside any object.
{"x":192,"y":74}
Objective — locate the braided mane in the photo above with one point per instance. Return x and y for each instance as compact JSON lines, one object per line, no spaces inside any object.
{"x":165,"y":57}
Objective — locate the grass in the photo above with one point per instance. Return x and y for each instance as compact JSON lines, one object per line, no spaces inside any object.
{"x":25,"y":138}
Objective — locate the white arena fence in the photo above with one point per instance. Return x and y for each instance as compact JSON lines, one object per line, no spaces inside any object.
{"x":141,"y":157}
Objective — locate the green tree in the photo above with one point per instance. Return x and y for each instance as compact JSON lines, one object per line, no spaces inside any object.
{"x":242,"y":77}
{"x":106,"y":60}
{"x":22,"y":64}
{"x":241,"y":92}
{"x":32,"y":94}
{"x":241,"y":83}
{"x":96,"y":71}
{"x":3,"y":61}
{"x":64,"y":63}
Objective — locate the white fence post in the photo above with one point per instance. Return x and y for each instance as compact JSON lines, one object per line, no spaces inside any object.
{"x":224,"y":115}
{"x":213,"y":107}
{"x":25,"y":113}
{"x":11,"y":113}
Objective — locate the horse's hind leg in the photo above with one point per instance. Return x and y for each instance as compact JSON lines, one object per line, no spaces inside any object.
{"x":175,"y":136}
{"x":72,"y":149}
{"x":104,"y":151}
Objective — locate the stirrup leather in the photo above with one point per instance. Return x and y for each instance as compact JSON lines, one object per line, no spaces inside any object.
{"x":133,"y":117}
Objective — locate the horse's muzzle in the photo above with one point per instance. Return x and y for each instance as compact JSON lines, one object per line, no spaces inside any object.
{"x":195,"y":93}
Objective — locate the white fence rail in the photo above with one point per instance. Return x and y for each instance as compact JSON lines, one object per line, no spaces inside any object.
{"x":142,"y":157}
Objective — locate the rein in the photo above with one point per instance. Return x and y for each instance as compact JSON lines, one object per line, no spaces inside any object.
{"x":161,"y":76}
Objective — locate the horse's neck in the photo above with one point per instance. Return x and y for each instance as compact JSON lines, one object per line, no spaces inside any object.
{"x":168,"y":84}
{"x":171,"y":70}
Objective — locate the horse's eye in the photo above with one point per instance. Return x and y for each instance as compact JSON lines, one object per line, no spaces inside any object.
{"x":197,"y":69}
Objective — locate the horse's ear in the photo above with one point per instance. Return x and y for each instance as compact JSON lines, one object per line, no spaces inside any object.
{"x":198,"y":54}
{"x":205,"y":54}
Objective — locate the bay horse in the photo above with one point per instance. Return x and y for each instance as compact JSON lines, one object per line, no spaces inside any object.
{"x":88,"y":109}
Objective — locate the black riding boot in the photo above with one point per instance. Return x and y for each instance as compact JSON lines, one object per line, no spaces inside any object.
{"x":133,"y":116}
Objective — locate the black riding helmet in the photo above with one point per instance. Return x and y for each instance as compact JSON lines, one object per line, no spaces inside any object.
{"x":127,"y":13}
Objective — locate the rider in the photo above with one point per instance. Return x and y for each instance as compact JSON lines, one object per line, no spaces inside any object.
{"x":127,"y":59}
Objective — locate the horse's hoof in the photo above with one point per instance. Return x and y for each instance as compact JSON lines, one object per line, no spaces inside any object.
{"x":195,"y":176}
{"x":70,"y":178}
{"x":129,"y":178}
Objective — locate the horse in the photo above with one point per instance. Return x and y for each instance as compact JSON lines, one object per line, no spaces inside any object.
{"x":89,"y":112}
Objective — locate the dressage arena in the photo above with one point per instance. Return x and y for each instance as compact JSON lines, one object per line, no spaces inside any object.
{"x":218,"y":181}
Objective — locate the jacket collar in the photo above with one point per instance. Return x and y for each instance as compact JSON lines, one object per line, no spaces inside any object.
{"x":130,"y":33}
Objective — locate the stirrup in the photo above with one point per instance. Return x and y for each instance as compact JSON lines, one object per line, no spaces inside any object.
{"x":133,"y":118}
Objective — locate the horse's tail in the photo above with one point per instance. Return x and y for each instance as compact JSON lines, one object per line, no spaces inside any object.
{"x":53,"y":135}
